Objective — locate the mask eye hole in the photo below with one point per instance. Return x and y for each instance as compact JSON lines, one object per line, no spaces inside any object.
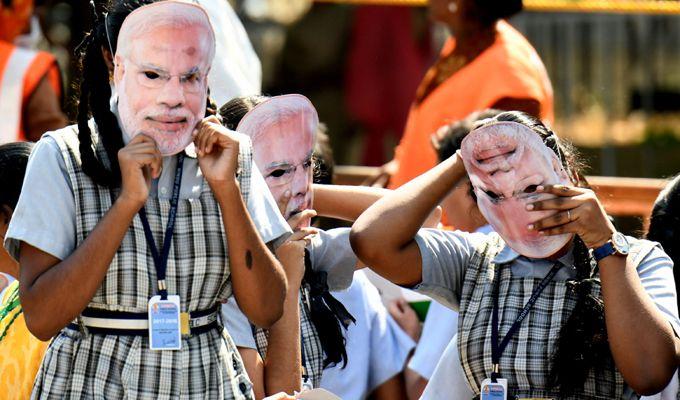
{"x":277,"y":173}
{"x":530,"y":189}
{"x":493,"y":196}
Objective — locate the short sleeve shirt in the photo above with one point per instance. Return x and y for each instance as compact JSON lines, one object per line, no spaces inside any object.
{"x":45,"y":216}
{"x":446,"y":254}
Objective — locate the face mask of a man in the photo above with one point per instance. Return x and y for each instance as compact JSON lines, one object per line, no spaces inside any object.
{"x":163,"y":56}
{"x":506,"y":161}
{"x":283,"y":131}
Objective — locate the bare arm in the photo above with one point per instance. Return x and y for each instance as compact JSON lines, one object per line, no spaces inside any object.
{"x":645,"y":355}
{"x":257,"y":277}
{"x":640,"y":338}
{"x":392,"y":389}
{"x":255,"y":369}
{"x":345,"y":202}
{"x":283,"y":365}
{"x":54,"y":292}
{"x":383,"y":236}
{"x":415,"y":384}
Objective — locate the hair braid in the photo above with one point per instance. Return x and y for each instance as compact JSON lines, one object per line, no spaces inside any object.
{"x":91,"y":165}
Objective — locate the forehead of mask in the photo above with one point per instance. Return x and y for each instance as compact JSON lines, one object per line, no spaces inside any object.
{"x":14,"y":19}
{"x":164,"y":38}
{"x":506,"y":161}
{"x":283,"y":131}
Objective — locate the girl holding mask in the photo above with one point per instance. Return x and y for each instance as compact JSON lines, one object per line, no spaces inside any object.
{"x":547,"y":305}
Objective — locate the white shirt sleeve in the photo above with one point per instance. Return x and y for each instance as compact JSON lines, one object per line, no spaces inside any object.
{"x":237,"y":324}
{"x":445,"y":257}
{"x":655,"y":270}
{"x":263,"y":210}
{"x":330,"y":251}
{"x":441,"y":324}
{"x":45,"y":215}
{"x":390,"y":345}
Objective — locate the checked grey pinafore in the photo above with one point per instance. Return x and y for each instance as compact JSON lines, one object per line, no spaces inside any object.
{"x":526,"y":360}
{"x":81,"y":365}
{"x":312,"y":351}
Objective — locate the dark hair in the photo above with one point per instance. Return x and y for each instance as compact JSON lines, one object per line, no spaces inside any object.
{"x":582,"y":344}
{"x":664,"y":223}
{"x":450,"y":143}
{"x":233,"y":111}
{"x":324,"y":162}
{"x":13,"y":161}
{"x":95,"y":93}
{"x":491,"y":11}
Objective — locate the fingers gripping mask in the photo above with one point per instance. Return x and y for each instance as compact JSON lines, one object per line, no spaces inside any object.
{"x":283,"y":131}
{"x":506,"y":161}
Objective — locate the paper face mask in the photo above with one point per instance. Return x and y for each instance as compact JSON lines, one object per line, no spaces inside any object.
{"x":506,"y":161}
{"x":163,"y":55}
{"x":283,"y":131}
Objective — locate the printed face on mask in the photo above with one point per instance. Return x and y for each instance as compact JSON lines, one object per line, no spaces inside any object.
{"x":283,"y":131}
{"x":161,"y":80}
{"x":506,"y":161}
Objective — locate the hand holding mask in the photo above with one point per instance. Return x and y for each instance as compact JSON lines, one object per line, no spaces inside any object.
{"x":506,"y":163}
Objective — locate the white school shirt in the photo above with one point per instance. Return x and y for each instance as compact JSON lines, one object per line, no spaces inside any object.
{"x":376,"y":346}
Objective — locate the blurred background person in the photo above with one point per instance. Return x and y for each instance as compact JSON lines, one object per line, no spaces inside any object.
{"x":20,"y":351}
{"x":485,"y":64}
{"x":30,"y":81}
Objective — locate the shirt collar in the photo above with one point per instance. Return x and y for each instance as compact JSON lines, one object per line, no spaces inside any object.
{"x":508,"y":255}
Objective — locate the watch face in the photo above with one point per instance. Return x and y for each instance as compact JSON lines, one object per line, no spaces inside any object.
{"x":620,"y":243}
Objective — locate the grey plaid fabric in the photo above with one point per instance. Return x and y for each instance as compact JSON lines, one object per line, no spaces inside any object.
{"x":312,"y":352}
{"x":525,"y":361}
{"x":78,"y":365}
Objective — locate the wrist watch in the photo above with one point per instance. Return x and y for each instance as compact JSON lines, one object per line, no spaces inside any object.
{"x":618,"y":244}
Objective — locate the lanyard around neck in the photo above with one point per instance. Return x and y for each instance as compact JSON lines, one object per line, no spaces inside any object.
{"x":496,"y":348}
{"x":160,"y":260}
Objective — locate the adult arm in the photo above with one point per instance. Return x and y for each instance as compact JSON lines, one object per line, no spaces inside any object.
{"x":257,"y":277}
{"x":383,"y":236}
{"x":53,"y":291}
{"x":641,"y":339}
{"x":344,"y":201}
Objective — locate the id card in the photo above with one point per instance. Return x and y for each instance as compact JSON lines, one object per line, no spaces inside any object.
{"x":164,"y":323}
{"x":494,"y":391}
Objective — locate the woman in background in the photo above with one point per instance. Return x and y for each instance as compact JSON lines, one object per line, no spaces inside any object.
{"x":485,"y":64}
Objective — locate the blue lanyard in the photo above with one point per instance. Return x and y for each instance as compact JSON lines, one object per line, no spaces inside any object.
{"x":496,"y":349}
{"x":161,"y":260}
